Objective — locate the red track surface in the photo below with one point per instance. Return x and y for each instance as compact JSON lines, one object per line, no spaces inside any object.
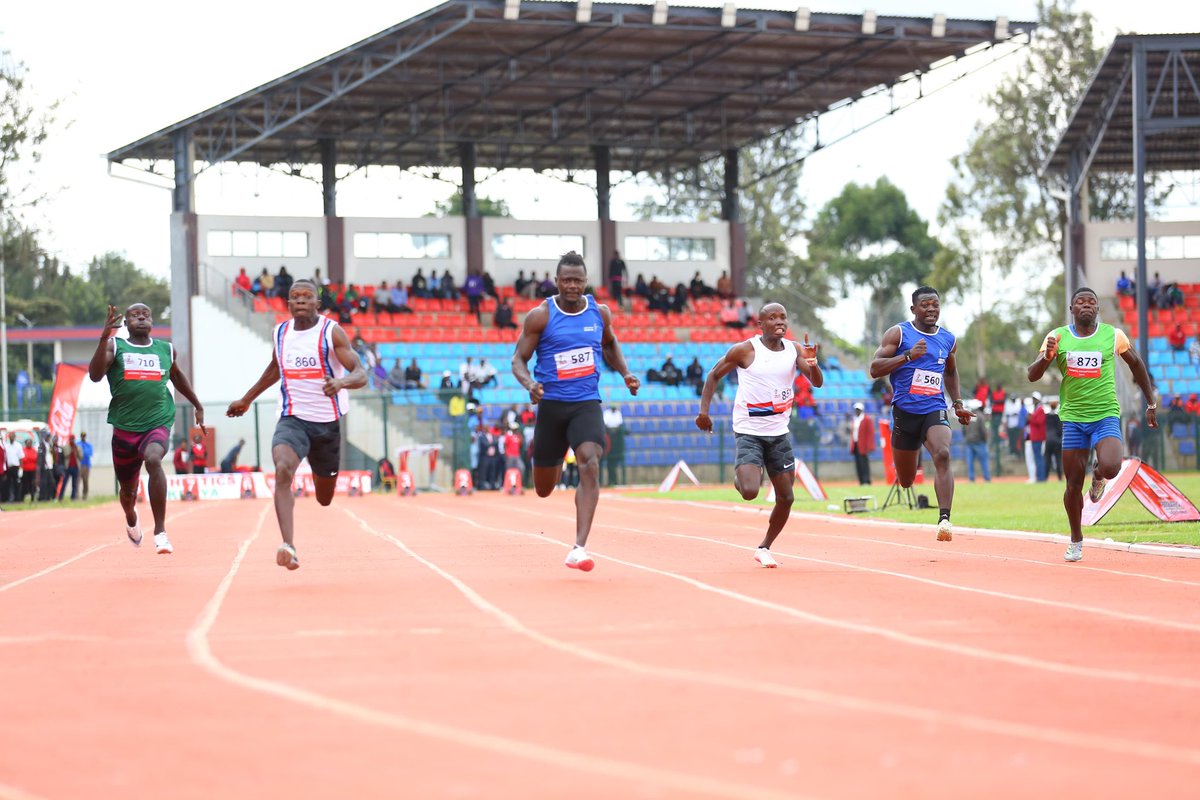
{"x":436,"y":647}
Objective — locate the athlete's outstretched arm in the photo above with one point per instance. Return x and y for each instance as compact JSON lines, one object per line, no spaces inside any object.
{"x":184,"y":386}
{"x":357,"y":377}
{"x":806,"y":362}
{"x":105,"y":351}
{"x":1142,"y":377}
{"x":531,"y":334}
{"x":740,"y":355}
{"x":611,"y":350}
{"x":266,"y":381}
{"x":886,"y":358}
{"x":950,"y":375}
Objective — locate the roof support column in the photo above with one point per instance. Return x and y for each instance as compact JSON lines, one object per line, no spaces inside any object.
{"x":474,"y":224}
{"x":185,"y":255}
{"x":731,"y":212}
{"x":1072,"y":237}
{"x":1139,"y":206}
{"x":608,"y":229}
{"x":335,"y":226}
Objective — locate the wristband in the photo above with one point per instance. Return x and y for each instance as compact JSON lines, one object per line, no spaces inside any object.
{"x":1152,"y":406}
{"x":957,"y":403}
{"x":907,"y":357}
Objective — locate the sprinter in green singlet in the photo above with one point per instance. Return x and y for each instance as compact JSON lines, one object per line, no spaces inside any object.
{"x":1085,"y":352}
{"x":142,"y":412}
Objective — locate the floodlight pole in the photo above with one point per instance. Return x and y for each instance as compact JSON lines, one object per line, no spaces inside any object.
{"x":1139,"y":208}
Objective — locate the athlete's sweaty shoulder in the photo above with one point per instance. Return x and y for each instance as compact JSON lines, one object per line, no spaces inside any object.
{"x":536,"y":319}
{"x":741,"y":354}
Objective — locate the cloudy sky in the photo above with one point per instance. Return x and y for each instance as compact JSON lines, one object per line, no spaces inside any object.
{"x":122,"y":70}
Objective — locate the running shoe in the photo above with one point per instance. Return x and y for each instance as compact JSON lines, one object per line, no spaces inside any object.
{"x":286,"y":556}
{"x":162,"y":545}
{"x":1097,"y":490}
{"x":1074,"y":552}
{"x":134,"y":531}
{"x":579,"y":559}
{"x":945,"y":531}
{"x":763,"y":556}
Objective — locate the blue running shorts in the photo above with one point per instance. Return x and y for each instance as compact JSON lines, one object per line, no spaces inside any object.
{"x":1085,"y":435}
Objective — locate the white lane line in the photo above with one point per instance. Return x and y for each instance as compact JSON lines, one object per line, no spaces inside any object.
{"x":921,"y":714}
{"x":13,"y":793}
{"x":1057,"y":563}
{"x":1013,"y":659}
{"x":57,"y":566}
{"x":1140,"y":548}
{"x":40,"y":638}
{"x":1019,"y":598}
{"x":201,"y":654}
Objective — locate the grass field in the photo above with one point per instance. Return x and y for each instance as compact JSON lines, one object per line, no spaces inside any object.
{"x":1006,"y":504}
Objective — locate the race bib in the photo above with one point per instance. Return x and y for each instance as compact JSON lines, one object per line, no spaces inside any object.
{"x":781,"y":401}
{"x":299,"y":368}
{"x":142,"y":366}
{"x":577,"y":363}
{"x":1084,"y":364}
{"x":926,"y":383}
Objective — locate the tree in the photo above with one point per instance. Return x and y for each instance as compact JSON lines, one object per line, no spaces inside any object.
{"x":868,"y":236}
{"x":487,"y":207}
{"x":772,"y":207}
{"x":23,"y":130}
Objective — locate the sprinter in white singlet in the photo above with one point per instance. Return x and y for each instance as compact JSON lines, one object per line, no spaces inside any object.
{"x":767,"y":366}
{"x":314,"y":366}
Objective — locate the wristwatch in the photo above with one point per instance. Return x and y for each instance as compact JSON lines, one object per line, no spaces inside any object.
{"x":1152,"y":406}
{"x":957,"y":403}
{"x":907,"y":357}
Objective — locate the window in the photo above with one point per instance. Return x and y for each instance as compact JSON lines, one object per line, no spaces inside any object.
{"x":401,"y":245}
{"x":670,"y":248}
{"x":535,"y":246}
{"x":258,"y":244}
{"x":1158,"y":248}
{"x":1116,"y":250}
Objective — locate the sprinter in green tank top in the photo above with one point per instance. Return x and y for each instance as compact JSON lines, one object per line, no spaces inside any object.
{"x":142,"y":412}
{"x":1086,"y":353}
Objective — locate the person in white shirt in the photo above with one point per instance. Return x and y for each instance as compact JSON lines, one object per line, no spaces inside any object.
{"x":13,"y":452}
{"x":766,"y":368}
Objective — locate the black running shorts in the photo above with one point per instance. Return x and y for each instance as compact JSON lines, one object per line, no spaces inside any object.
{"x":909,"y":430}
{"x":772,"y":453}
{"x":321,"y":442}
{"x":561,"y":425}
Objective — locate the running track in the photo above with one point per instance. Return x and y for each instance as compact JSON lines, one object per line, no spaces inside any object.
{"x":435,"y":647}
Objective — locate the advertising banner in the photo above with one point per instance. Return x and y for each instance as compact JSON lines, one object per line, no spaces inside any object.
{"x":67,"y":380}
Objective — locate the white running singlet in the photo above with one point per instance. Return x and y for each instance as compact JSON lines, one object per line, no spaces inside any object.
{"x":305,"y":358}
{"x":765,"y":390}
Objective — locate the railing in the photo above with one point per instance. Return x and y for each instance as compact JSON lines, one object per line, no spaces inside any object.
{"x":234,"y":300}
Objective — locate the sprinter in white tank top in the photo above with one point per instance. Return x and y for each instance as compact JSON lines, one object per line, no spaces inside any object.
{"x":767,"y":366}
{"x":313,"y":357}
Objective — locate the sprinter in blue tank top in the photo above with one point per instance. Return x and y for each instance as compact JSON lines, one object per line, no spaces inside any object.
{"x":570,"y":333}
{"x":919,"y":357}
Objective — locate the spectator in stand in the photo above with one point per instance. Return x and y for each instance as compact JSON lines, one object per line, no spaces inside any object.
{"x":29,"y":465}
{"x":283,"y":283}
{"x":489,"y":286}
{"x":229,"y":462}
{"x":862,"y":443}
{"x":503,"y":318}
{"x":242,"y":281}
{"x":547,"y":288}
{"x":446,"y":286}
{"x":345,"y":311}
{"x":420,"y":287}
{"x":976,"y":439}
{"x":1177,"y":338}
{"x":522,"y":284}
{"x":699,"y":288}
{"x":466,"y":374}
{"x":413,"y":379}
{"x":396,"y":375}
{"x":473,"y":289}
{"x":1152,"y":290}
{"x":668,"y":373}
{"x":679,"y":301}
{"x":85,"y":462}
{"x":381,"y":301}
{"x":1192,"y":407}
{"x":1054,"y":430}
{"x":996,"y":400}
{"x":1037,"y":437}
{"x":399,"y":300}
{"x":640,"y":287}
{"x":180,"y":459}
{"x":1194,"y":351}
{"x":743,"y":312}
{"x":266,"y":284}
{"x":728,"y":315}
{"x":328,"y":301}
{"x":317,"y":279}
{"x":695,"y":374}
{"x":724,"y":287}
{"x":1176,"y":295}
{"x":1176,"y":411}
{"x":485,"y":376}
{"x":199,"y":456}
{"x":616,"y":277}
{"x":354,"y":300}
{"x":1125,"y":287}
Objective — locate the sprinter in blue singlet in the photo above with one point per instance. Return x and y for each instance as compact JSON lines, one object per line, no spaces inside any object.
{"x":571,"y":333}
{"x":919,"y":357}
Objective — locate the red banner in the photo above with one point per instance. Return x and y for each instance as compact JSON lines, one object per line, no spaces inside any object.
{"x":885,"y":449}
{"x":1156,"y":493}
{"x":67,"y":380}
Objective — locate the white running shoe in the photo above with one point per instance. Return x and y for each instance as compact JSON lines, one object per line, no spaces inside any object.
{"x":1074,"y":552}
{"x":945,"y":530}
{"x":134,"y":532}
{"x":1097,"y":490}
{"x":162,"y":545}
{"x":579,"y":559}
{"x":286,"y":556}
{"x":763,"y":556}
